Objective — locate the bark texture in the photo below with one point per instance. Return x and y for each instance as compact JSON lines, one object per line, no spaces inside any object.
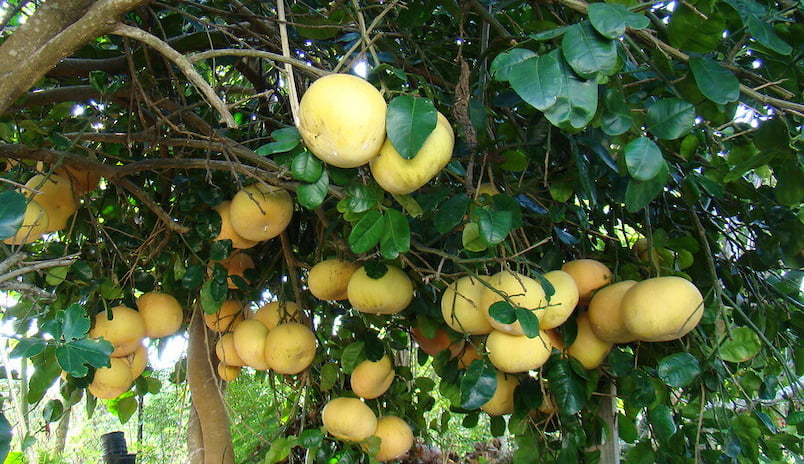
{"x":53,"y":32}
{"x":207,"y":399}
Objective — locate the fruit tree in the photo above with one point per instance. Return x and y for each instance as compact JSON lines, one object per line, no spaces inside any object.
{"x":578,"y":225}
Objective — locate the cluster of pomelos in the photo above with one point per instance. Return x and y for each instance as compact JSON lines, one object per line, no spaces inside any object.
{"x":656,"y":309}
{"x":52,"y":200}
{"x":158,"y":315}
{"x":338,"y":134}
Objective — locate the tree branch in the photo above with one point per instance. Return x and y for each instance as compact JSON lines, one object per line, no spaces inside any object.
{"x":311,"y":70}
{"x":184,"y":65}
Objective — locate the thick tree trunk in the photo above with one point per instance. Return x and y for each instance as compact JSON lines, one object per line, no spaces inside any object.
{"x":53,"y":32}
{"x":205,"y":390}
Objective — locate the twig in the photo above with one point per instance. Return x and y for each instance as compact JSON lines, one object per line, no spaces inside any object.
{"x":28,"y":289}
{"x":293,"y":94}
{"x":37,"y":266}
{"x":184,"y":65}
{"x":153,"y":206}
{"x":287,"y":251}
{"x":258,"y":54}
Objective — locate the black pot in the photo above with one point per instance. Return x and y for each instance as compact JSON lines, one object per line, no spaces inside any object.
{"x":120,"y":458}
{"x":114,"y":443}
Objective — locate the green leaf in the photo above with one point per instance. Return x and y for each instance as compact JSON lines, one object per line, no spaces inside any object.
{"x":529,"y":322}
{"x":589,"y":53}
{"x":74,"y":356}
{"x":311,"y":438}
{"x":56,"y":275}
{"x":408,"y":122}
{"x":286,"y":138}
{"x":493,"y":225}
{"x":46,"y":371}
{"x":312,"y":195}
{"x":643,"y":158}
{"x":374,"y":347}
{"x":12,"y":211}
{"x":5,"y":437}
{"x":753,"y":15}
{"x":123,"y":406}
{"x":577,"y":104}
{"x":396,"y":238}
{"x":75,"y":323}
{"x":715,"y":81}
{"x":662,"y":423}
{"x":537,"y":80}
{"x":497,"y":426}
{"x":352,"y":355}
{"x":610,"y":19}
{"x":616,"y":116}
{"x":679,"y":370}
{"x":210,"y":296}
{"x":503,"y":63}
{"x":306,"y":167}
{"x":28,"y":347}
{"x":193,"y":277}
{"x":741,"y":346}
{"x":375,"y":269}
{"x":642,"y":453}
{"x":471,"y":240}
{"x":367,"y":232}
{"x":329,"y":376}
{"x":690,"y":31}
{"x":478,"y":385}
{"x":279,"y":450}
{"x":503,"y":312}
{"x":361,"y":198}
{"x":569,"y":390}
{"x":638,"y":194}
{"x":670,"y":118}
{"x":411,"y":206}
{"x":451,"y":213}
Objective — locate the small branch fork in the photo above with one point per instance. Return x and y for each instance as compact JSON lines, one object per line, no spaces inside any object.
{"x":8,"y":277}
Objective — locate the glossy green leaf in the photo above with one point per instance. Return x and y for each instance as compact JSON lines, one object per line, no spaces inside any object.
{"x":493,"y":225}
{"x":742,"y":345}
{"x":451,"y":213}
{"x":329,"y":376}
{"x":589,"y":53}
{"x":610,"y":19}
{"x":74,"y":356}
{"x":679,"y":369}
{"x":306,"y":167}
{"x":471,"y":240}
{"x":478,"y":385}
{"x":715,"y":81}
{"x":193,"y":277}
{"x":615,"y":118}
{"x":311,"y":438}
{"x":503,"y":312}
{"x":408,"y":122}
{"x":12,"y":211}
{"x":368,"y":231}
{"x":396,"y":237}
{"x":502,"y":64}
{"x":286,"y":139}
{"x":538,"y":80}
{"x":6,"y":435}
{"x":754,"y":17}
{"x":312,"y":195}
{"x":46,"y":371}
{"x":75,"y":322}
{"x":360,"y":198}
{"x":643,"y":158}
{"x":662,"y":422}
{"x":212,"y":296}
{"x":28,"y":347}
{"x":670,"y":118}
{"x":638,"y":194}
{"x":279,"y":450}
{"x":352,"y":355}
{"x":569,"y":390}
{"x":690,"y":31}
{"x":123,"y":407}
{"x":577,"y":104}
{"x":529,"y":322}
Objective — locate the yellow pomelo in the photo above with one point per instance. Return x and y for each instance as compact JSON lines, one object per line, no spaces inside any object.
{"x":273,"y":313}
{"x":662,"y":308}
{"x":249,"y":341}
{"x":589,"y":275}
{"x":124,"y":331}
{"x":56,"y":196}
{"x":371,"y":379}
{"x":227,"y":352}
{"x":562,"y":302}
{"x":396,"y":436}
{"x":349,"y":419}
{"x":261,"y":212}
{"x":329,"y":279}
{"x":503,"y":400}
{"x":137,"y":361}
{"x":342,"y":120}
{"x":226,"y":318}
{"x":439,"y":342}
{"x":290,"y":348}
{"x":460,"y":306}
{"x":400,"y":176}
{"x":111,"y":382}
{"x":587,"y":347}
{"x":522,"y":291}
{"x":227,"y":231}
{"x":389,"y":294}
{"x":469,"y":355}
{"x":487,"y":189}
{"x":162,"y":313}
{"x":517,"y":353}
{"x":236,"y":265}
{"x":606,"y":315}
{"x":228,"y":373}
{"x":34,"y":224}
